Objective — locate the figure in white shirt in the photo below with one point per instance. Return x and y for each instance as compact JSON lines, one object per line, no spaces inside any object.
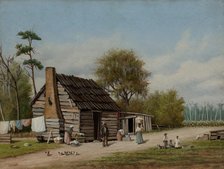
{"x":177,"y":142}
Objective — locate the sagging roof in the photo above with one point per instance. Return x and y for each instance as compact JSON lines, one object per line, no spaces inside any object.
{"x":85,"y":93}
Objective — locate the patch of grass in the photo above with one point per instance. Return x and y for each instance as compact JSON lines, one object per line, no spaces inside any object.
{"x":18,"y":148}
{"x":197,"y":153}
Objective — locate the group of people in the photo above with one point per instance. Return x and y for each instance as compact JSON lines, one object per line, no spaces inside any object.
{"x":104,"y":135}
{"x":169,"y":143}
{"x":139,"y":138}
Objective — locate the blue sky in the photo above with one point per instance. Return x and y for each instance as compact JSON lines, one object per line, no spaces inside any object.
{"x":181,"y":41}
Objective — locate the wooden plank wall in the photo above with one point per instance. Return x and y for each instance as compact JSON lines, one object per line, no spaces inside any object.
{"x":55,"y":127}
{"x":70,"y":111}
{"x":38,"y":106}
{"x":87,"y":125}
{"x":111,"y":118}
{"x":147,"y":121}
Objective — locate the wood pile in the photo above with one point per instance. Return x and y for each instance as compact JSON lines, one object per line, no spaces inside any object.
{"x":5,"y":138}
{"x":217,"y":134}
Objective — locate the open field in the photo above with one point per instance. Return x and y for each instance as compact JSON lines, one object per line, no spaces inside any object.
{"x":147,"y":156}
{"x":197,"y":154}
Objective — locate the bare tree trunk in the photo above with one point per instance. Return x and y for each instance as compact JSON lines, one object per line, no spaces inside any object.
{"x":33,"y":80}
{"x":2,"y":112}
{"x":15,"y":83}
{"x":17,"y":101}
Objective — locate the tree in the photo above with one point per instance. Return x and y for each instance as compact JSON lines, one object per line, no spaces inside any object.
{"x":10,"y":78}
{"x":15,"y":89}
{"x":121,"y":73}
{"x":167,"y":108}
{"x":152,"y":105}
{"x":28,"y":50}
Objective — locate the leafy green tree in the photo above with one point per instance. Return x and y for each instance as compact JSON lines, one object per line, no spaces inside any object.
{"x":121,"y":73}
{"x":28,"y":50}
{"x":135,"y":105}
{"x":152,"y":105}
{"x":167,"y":108}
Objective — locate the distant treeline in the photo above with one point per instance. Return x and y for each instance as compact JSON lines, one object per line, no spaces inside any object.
{"x":206,"y":112}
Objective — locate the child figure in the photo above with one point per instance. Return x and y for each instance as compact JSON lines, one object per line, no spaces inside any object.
{"x":171,"y":145}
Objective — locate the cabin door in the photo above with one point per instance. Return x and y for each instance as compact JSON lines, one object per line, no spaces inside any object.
{"x":97,"y":120}
{"x":131,"y":125}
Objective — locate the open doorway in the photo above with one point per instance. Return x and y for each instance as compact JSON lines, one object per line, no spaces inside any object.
{"x":130,"y":125}
{"x":96,"y":120}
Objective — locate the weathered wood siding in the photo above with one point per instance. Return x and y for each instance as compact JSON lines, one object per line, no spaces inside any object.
{"x":38,"y":106}
{"x":111,"y":119}
{"x":55,"y":127}
{"x":87,"y":125}
{"x":148,"y":123}
{"x":70,"y":111}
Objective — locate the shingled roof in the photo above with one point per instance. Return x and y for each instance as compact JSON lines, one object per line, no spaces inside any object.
{"x":85,"y":93}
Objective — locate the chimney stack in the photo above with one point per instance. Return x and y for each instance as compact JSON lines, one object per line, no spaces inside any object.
{"x":52,"y":109}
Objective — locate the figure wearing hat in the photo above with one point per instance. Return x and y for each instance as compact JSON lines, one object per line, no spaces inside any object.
{"x":104,"y":134}
{"x":68,"y":134}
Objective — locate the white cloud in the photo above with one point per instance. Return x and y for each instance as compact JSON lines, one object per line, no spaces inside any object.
{"x":196,"y":78}
{"x":192,"y":68}
{"x":74,"y":58}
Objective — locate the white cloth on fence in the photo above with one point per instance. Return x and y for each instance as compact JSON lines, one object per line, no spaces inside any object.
{"x":13,"y":125}
{"x":4,"y":127}
{"x":38,"y":124}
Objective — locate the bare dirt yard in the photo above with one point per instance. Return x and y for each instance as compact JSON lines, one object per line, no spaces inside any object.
{"x":93,"y":150}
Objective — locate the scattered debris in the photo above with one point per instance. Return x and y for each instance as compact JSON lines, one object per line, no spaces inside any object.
{"x":67,"y":153}
{"x":27,"y":144}
{"x":48,"y":153}
{"x":14,"y":146}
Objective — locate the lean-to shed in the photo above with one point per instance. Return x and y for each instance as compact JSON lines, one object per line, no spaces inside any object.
{"x":130,"y":120}
{"x":67,"y":100}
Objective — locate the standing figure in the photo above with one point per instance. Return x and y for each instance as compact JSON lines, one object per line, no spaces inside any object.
{"x":104,"y":134}
{"x":120,"y":134}
{"x":139,"y":130}
{"x":68,"y":135}
{"x":165,"y":140}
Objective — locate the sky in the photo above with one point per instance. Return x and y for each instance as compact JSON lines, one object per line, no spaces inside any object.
{"x":180,"y":41}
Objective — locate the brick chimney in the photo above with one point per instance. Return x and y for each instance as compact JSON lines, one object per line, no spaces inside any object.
{"x":52,"y":108}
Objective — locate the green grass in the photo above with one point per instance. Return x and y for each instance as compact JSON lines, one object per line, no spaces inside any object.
{"x":17,"y":148}
{"x":203,"y":153}
{"x":197,"y":154}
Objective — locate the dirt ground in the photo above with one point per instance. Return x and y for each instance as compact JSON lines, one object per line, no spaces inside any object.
{"x":93,"y":150}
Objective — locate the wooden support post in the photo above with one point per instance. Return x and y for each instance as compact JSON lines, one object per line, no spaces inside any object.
{"x":49,"y":136}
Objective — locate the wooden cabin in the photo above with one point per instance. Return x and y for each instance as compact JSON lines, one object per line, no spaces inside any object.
{"x":67,"y":100}
{"x":130,"y":120}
